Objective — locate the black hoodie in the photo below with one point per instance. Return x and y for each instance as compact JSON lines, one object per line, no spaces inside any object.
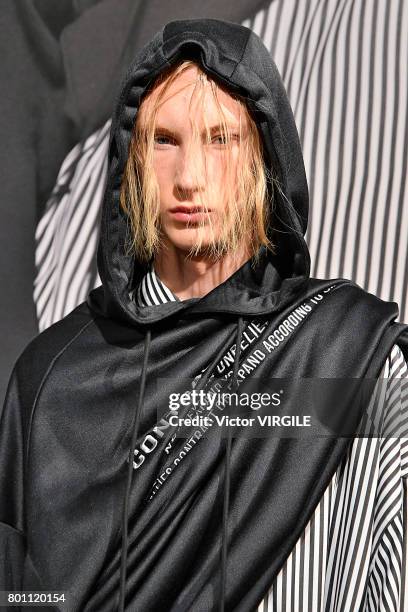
{"x":203,"y":522}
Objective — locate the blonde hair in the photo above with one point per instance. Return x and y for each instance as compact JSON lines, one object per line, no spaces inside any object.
{"x":248,"y":200}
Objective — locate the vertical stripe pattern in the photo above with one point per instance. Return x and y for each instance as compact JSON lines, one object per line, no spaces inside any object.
{"x":152,"y":291}
{"x":343,"y":63}
{"x":67,"y":234}
{"x":352,"y":554}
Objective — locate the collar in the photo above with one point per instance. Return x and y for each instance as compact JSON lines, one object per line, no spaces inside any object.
{"x":152,"y":291}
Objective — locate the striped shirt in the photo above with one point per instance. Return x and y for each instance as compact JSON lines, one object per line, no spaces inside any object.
{"x":352,"y":555}
{"x":152,"y":291}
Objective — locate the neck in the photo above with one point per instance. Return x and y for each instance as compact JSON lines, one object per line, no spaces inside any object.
{"x":195,"y":277}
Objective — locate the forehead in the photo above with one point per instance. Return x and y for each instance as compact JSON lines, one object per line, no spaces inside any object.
{"x":183,"y":98}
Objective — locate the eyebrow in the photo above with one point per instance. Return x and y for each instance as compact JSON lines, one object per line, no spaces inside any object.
{"x":212,"y":129}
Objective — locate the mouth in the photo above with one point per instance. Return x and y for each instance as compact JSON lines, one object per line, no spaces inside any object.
{"x":189,"y":214}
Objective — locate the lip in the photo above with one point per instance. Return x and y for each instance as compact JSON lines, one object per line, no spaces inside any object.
{"x":189,"y":214}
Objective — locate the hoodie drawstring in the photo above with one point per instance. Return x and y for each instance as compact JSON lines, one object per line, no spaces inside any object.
{"x":135,"y":428}
{"x":227,"y":468}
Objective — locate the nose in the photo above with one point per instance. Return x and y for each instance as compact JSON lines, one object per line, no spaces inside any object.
{"x":190,"y":171}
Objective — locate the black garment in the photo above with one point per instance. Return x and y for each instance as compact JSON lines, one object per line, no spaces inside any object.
{"x":81,"y":407}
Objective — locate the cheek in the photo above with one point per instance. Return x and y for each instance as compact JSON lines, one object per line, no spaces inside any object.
{"x":218,"y":178}
{"x":164,"y":172}
{"x":219,"y":161}
{"x":215,"y":167}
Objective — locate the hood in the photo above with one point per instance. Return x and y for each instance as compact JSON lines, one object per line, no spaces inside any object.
{"x":237,"y":58}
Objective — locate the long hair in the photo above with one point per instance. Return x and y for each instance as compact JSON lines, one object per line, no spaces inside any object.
{"x":248,"y":201}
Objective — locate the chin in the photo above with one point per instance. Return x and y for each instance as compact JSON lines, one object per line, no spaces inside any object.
{"x":187,"y":247}
{"x":186,"y":240}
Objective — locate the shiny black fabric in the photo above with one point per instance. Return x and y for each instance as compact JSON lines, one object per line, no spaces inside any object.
{"x":69,"y":416}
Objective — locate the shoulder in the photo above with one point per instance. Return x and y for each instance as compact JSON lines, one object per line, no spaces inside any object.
{"x":344,"y":303}
{"x":38,"y":357}
{"x":26,"y":381}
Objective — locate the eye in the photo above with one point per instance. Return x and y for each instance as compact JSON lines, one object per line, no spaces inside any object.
{"x":221,"y":139}
{"x":163,"y":139}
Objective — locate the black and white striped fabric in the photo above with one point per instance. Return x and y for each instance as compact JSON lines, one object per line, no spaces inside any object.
{"x":343,"y":63}
{"x":152,"y":291}
{"x":353,"y":553}
{"x":67,"y":234}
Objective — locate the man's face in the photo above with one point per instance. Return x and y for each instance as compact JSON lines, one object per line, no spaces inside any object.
{"x":190,"y":170}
